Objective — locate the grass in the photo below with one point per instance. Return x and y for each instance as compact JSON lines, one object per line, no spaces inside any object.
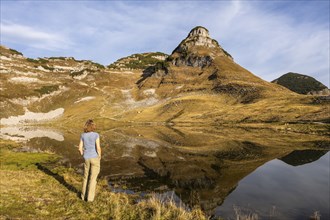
{"x":137,"y":61}
{"x":47,"y":89}
{"x":31,"y":190}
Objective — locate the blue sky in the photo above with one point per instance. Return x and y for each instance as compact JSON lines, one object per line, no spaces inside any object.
{"x":269,"y":38}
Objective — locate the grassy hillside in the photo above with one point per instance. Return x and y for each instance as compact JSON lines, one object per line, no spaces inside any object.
{"x":138,"y":61}
{"x":198,"y":83}
{"x":196,"y":108}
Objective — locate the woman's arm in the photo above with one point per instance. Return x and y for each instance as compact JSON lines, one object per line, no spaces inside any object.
{"x":80,"y":147}
{"x":98,"y":147}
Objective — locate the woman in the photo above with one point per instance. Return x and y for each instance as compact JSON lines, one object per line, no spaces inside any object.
{"x":89,"y":147}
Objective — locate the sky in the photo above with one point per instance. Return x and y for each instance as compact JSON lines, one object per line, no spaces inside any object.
{"x":269,"y":38}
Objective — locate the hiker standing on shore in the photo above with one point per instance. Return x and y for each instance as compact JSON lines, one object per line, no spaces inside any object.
{"x":90,"y":149}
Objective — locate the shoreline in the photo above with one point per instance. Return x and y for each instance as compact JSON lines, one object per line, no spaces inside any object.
{"x":32,"y":190}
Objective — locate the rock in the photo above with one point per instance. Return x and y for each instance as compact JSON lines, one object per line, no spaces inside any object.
{"x":323,"y":92}
{"x":190,"y":52}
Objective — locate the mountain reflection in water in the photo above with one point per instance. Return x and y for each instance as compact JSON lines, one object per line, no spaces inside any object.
{"x":200,"y":165}
{"x":280,"y":191}
{"x":301,"y":157}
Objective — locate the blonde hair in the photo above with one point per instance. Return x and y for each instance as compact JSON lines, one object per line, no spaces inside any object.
{"x":89,"y":126}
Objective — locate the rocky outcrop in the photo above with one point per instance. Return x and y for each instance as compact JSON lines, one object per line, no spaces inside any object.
{"x":323,"y":92}
{"x":194,"y":61}
{"x":197,"y":50}
{"x":199,"y":36}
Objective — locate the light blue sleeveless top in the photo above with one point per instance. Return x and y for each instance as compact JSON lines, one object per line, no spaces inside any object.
{"x":89,"y":140}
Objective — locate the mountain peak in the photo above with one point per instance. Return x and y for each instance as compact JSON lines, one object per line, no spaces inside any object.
{"x":199,"y":36}
{"x":198,"y":49}
{"x":199,"y":30}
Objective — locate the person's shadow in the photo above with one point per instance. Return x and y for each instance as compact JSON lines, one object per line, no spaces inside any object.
{"x":59,"y":178}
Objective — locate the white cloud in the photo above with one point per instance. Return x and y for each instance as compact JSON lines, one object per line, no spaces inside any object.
{"x":268,"y":39}
{"x":270,"y":43}
{"x":32,"y":37}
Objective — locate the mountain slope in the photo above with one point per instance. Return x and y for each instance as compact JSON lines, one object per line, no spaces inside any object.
{"x":299,"y":83}
{"x":200,"y":64}
{"x":80,"y":87}
{"x":198,"y":83}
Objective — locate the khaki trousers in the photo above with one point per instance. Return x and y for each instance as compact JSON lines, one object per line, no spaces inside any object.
{"x":91,"y":171}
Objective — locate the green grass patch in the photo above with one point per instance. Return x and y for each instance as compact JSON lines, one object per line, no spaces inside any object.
{"x":47,"y":89}
{"x":23,"y":160}
{"x":11,"y":160}
{"x":38,"y":61}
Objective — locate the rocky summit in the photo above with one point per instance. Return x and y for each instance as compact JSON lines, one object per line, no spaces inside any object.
{"x":197,"y":50}
{"x":199,"y":82}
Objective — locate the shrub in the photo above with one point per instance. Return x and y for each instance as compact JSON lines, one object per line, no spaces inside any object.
{"x":47,"y":67}
{"x":39,"y":60}
{"x":57,"y":58}
{"x":16,"y":52}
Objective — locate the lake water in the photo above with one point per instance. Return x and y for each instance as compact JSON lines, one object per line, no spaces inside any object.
{"x":278,"y":190}
{"x":225,"y":171}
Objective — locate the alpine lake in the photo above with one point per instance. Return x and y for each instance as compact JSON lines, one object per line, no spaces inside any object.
{"x":227,"y":171}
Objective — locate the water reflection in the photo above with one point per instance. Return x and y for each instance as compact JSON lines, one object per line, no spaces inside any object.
{"x":277,"y":190}
{"x":301,"y":157}
{"x":200,"y":165}
{"x":27,"y":133}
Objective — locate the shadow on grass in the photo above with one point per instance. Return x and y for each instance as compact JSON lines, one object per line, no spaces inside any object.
{"x":59,"y":178}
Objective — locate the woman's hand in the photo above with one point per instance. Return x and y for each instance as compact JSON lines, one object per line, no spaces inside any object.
{"x":80,"y":147}
{"x":98,"y":147}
